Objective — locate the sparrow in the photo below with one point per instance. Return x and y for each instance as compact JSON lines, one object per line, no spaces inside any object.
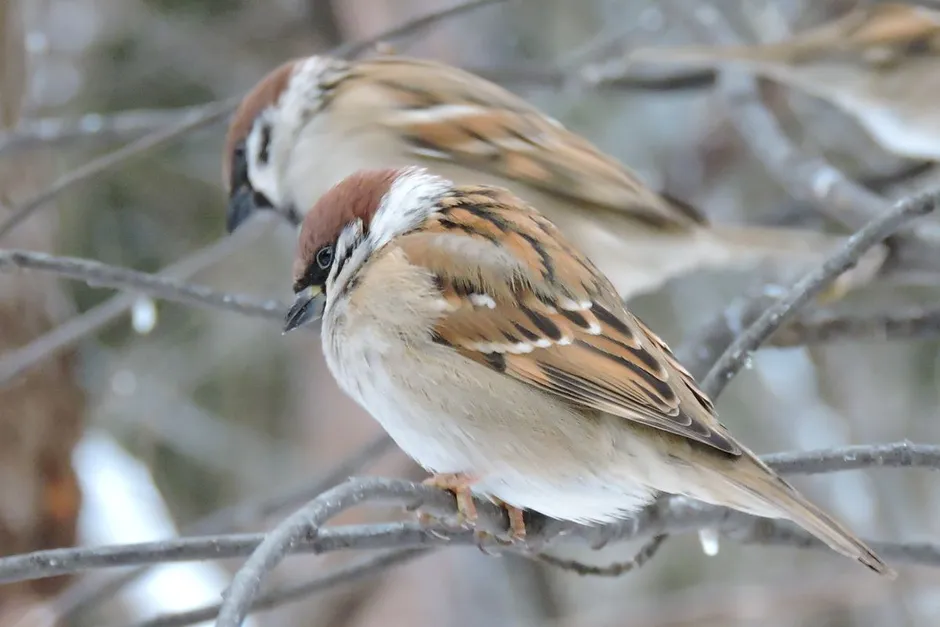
{"x":875,"y":62}
{"x":501,"y":359}
{"x":314,"y":121}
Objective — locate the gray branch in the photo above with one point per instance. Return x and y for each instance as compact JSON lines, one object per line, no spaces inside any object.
{"x":21,"y":360}
{"x":82,"y":595}
{"x":673,"y":516}
{"x":98,"y":274}
{"x":811,"y":285}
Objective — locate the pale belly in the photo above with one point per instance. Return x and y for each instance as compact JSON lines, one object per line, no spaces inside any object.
{"x":522,"y":447}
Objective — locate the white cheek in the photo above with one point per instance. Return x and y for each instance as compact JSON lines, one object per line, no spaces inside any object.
{"x":264,"y":180}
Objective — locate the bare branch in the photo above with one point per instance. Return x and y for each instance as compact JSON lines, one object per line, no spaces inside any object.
{"x":356,"y":48}
{"x":21,"y":360}
{"x":196,"y":119}
{"x":103,"y":127}
{"x":895,"y":455}
{"x":674,"y":516}
{"x":812,"y":285}
{"x":97,"y":274}
{"x":827,"y":326}
{"x":83,"y":595}
{"x":647,"y":552}
{"x":302,"y":524}
{"x":344,"y":574}
{"x":804,"y":174}
{"x":813,"y":327}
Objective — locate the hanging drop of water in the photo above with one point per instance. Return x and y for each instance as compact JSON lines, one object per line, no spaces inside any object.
{"x":144,"y":315}
{"x":709,"y":540}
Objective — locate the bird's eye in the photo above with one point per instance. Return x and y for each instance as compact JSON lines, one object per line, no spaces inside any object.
{"x":325,"y":257}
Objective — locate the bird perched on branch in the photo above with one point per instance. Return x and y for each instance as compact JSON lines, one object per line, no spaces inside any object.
{"x":502,"y":360}
{"x":313,"y":121}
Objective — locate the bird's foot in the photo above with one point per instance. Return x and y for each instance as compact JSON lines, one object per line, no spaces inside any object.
{"x":459,"y":484}
{"x":517,"y":530}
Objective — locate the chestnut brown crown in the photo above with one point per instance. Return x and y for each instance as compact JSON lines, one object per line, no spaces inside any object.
{"x":357,"y":196}
{"x":264,"y":94}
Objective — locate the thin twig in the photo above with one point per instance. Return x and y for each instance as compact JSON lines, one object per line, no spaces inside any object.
{"x":640,"y":558}
{"x":829,"y":326}
{"x":21,"y":360}
{"x":81,"y":596}
{"x":674,"y":516}
{"x":355,"y":48}
{"x":305,"y":523}
{"x":103,"y":127}
{"x":98,"y":274}
{"x":809,"y":328}
{"x":201,"y":117}
{"x":811,"y":286}
{"x":344,"y":574}
{"x":803,"y":173}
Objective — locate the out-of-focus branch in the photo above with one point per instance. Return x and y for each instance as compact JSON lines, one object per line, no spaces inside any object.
{"x":805,"y":175}
{"x":811,"y":285}
{"x":98,"y":274}
{"x":827,"y":326}
{"x":131,"y":124}
{"x":355,"y":48}
{"x":675,"y":516}
{"x":344,"y":574}
{"x":195,"y":119}
{"x":812,"y":327}
{"x":102,"y":127}
{"x":81,"y":596}
{"x":17,"y":362}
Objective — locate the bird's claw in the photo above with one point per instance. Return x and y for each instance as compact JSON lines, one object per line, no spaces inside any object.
{"x":459,"y":484}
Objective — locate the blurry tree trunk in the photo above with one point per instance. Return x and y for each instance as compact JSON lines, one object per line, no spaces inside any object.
{"x":41,"y":413}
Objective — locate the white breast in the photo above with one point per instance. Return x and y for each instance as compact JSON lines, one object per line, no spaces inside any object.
{"x":453,"y":415}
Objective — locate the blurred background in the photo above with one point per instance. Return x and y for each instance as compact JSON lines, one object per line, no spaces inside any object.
{"x":167,"y":413}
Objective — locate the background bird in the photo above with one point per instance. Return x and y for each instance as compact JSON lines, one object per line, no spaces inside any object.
{"x":501,"y":359}
{"x":313,"y":121}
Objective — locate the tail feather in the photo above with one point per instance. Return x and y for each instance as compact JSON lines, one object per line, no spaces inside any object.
{"x":790,"y":504}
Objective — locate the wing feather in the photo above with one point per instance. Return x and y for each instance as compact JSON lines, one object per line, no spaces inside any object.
{"x":522,"y":301}
{"x":445,"y":113}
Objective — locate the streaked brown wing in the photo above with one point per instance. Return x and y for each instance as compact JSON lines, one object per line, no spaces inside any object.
{"x":522,"y":301}
{"x":448,"y":114}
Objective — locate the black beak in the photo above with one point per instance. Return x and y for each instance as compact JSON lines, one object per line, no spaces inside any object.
{"x":245,"y":201}
{"x":307,"y":307}
{"x":241,"y":205}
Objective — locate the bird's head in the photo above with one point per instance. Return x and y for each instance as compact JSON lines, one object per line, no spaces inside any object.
{"x":264,"y":133}
{"x":356,"y":217}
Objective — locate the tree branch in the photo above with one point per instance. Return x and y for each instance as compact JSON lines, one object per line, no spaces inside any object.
{"x":673,"y":516}
{"x":805,"y":175}
{"x":827,"y":326}
{"x":104,"y":127}
{"x":21,"y":360}
{"x":81,"y":596}
{"x":97,"y":274}
{"x":812,"y":285}
{"x":200,"y":117}
{"x":343,"y":574}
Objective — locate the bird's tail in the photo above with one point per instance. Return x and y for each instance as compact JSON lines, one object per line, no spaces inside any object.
{"x":788,"y":503}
